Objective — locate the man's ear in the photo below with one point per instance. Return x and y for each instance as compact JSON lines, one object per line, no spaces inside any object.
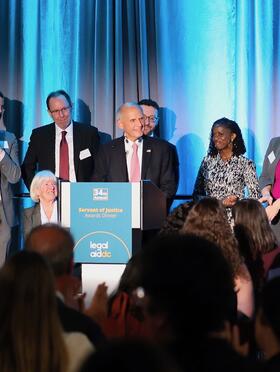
{"x":119,"y":123}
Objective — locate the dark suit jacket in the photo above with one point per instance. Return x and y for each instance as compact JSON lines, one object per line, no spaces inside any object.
{"x":74,"y":321}
{"x":157,"y":164}
{"x":31,"y":218}
{"x":40,"y":154}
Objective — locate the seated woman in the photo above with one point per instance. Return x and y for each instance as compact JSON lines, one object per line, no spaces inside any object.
{"x":207,"y":219}
{"x":225,"y":171}
{"x":43,"y":191}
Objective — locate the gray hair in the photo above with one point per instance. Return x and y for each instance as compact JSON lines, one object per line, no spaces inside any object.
{"x":124,"y":105}
{"x":37,"y":181}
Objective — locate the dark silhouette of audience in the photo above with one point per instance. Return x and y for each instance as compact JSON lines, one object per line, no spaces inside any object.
{"x":267,"y":328}
{"x":190,"y":303}
{"x":130,"y":356}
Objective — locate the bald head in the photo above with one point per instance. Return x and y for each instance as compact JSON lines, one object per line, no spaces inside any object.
{"x":55,"y":244}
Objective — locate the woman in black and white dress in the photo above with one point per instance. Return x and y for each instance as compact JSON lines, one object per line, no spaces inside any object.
{"x":225,"y":172}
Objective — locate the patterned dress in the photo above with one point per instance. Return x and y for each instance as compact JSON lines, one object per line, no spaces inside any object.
{"x":218,"y":178}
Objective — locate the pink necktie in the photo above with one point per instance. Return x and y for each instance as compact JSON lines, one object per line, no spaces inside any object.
{"x":135,"y":166}
{"x":64,"y":158}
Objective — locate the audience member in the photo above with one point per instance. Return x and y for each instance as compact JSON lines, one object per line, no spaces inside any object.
{"x":64,"y":147}
{"x":207,"y":219}
{"x":129,"y":356}
{"x":43,"y":191}
{"x":124,"y":317}
{"x":31,"y":337}
{"x":267,"y":327}
{"x":56,"y":245}
{"x":187,"y":292}
{"x":255,"y":237}
{"x":176,"y":219}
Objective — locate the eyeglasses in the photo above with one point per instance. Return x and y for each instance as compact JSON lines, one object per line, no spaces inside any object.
{"x":151,"y":118}
{"x":64,"y":110}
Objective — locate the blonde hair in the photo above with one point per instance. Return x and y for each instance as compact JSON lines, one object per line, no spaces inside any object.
{"x":31,"y":336}
{"x":37,"y":181}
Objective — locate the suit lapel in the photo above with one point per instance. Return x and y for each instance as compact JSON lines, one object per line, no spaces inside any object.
{"x":50,"y":144}
{"x":120,"y":158}
{"x":36,"y":215}
{"x":146,"y":157}
{"x":76,"y":147}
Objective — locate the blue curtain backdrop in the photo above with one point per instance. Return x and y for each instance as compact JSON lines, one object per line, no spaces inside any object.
{"x":200,"y":59}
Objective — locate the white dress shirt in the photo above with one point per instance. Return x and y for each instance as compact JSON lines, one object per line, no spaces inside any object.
{"x":129,"y":151}
{"x":44,"y":218}
{"x":70,"y":141}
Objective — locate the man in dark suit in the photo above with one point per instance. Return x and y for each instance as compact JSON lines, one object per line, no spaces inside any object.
{"x":152,"y":127}
{"x":65,"y":147}
{"x":155,"y":157}
{"x":9,"y":174}
{"x":56,"y":245}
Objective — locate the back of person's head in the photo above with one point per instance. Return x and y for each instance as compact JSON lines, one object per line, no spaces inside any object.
{"x":176,"y":219}
{"x":30,"y":333}
{"x":251,"y":219}
{"x":187,"y":279}
{"x":129,"y":356}
{"x":56,"y":244}
{"x":270,"y":306}
{"x":130,"y":277}
{"x":207,"y":219}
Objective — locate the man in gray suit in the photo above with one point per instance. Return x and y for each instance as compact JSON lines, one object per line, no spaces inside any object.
{"x":9,"y":173}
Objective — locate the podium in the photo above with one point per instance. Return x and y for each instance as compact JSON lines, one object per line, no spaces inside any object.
{"x":108,"y":222}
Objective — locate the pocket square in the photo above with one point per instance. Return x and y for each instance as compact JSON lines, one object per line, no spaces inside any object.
{"x":84,"y":154}
{"x":149,"y":150}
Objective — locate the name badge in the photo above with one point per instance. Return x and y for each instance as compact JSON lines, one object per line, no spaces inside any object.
{"x":84,"y":154}
{"x":4,"y":144}
{"x":271,"y":157}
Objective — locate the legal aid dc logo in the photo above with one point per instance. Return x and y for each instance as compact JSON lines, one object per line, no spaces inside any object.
{"x":100,"y":193}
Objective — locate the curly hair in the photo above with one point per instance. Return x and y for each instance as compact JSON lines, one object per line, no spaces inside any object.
{"x":238,"y":143}
{"x":207,"y":219}
{"x":176,"y":219}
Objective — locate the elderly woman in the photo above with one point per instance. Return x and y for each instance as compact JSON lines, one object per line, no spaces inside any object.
{"x":43,"y":191}
{"x":225,"y":172}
